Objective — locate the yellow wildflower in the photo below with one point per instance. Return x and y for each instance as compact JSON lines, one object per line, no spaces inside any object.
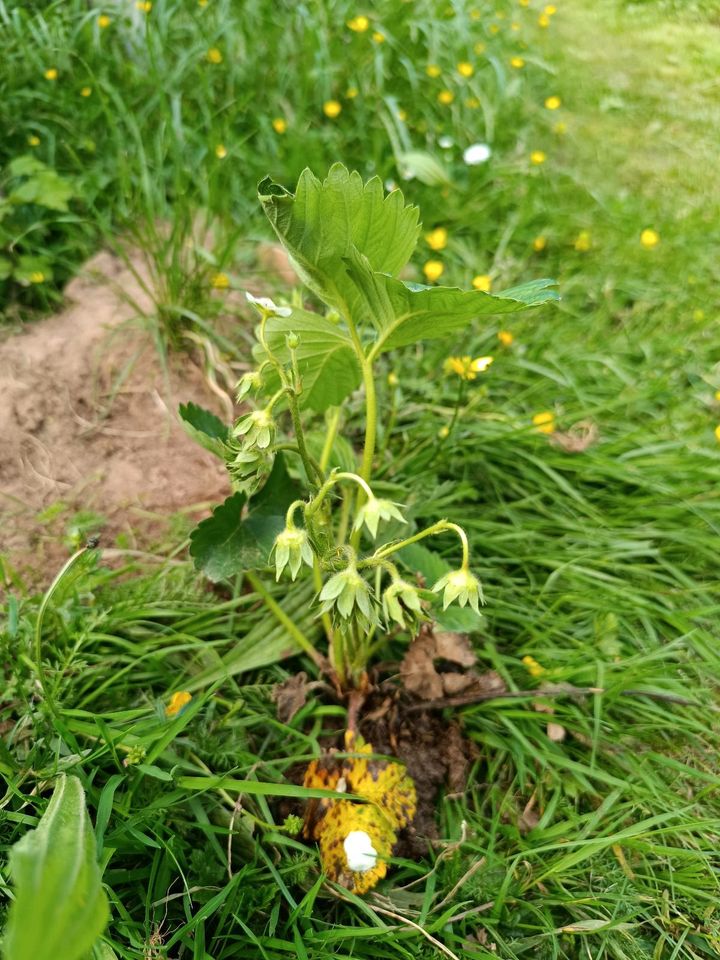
{"x":524,"y":3}
{"x":359,"y":24}
{"x":351,"y":93}
{"x":539,"y":243}
{"x":514,"y":26}
{"x":483,"y":282}
{"x":144,"y":5}
{"x":444,"y":433}
{"x":37,"y":276}
{"x":544,"y":422}
{"x":517,"y":62}
{"x":332,"y":108}
{"x":220,"y":151}
{"x":583,"y":241}
{"x":220,"y":281}
{"x":698,"y":314}
{"x":437,"y":238}
{"x":537,"y":157}
{"x":553,"y":103}
{"x":465,"y":367}
{"x":505,"y":337}
{"x":479,"y":47}
{"x":378,"y":37}
{"x":202,"y":3}
{"x":432,"y":70}
{"x":465,"y":69}
{"x":472,"y":103}
{"x":717,"y":395}
{"x":649,"y":238}
{"x":550,"y":9}
{"x":543,"y":20}
{"x":533,"y":667}
{"x":717,"y":433}
{"x":33,"y":141}
{"x":393,"y":379}
{"x":402,"y":115}
{"x":104,"y":21}
{"x":433,"y":270}
{"x":51,"y":74}
{"x":279,"y":125}
{"x":446,"y":97}
{"x":85,"y":91}
{"x":560,"y":128}
{"x":214,"y":55}
{"x":177,"y":701}
{"x":494,"y":28}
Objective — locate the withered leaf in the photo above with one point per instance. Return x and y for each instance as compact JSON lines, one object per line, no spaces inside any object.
{"x":577,"y":439}
{"x":423,"y":673}
{"x":290,"y":696}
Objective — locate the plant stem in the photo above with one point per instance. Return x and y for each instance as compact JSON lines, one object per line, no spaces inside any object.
{"x":310,"y":468}
{"x":330,"y":439}
{"x":280,"y":615}
{"x":438,"y":527}
{"x":325,"y":617}
{"x":370,"y":422}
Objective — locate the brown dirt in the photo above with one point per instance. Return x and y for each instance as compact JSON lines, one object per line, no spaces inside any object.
{"x":79,"y":434}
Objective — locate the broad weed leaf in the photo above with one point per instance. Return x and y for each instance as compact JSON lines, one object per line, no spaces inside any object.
{"x":60,"y":907}
{"x":204,"y":428}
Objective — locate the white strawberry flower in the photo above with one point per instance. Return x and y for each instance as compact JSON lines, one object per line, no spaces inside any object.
{"x":266,"y":305}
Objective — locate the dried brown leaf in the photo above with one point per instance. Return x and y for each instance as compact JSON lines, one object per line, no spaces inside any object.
{"x":578,"y":438}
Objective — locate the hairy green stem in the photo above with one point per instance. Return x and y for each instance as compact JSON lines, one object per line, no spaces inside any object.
{"x":439,"y":527}
{"x":330,"y":439}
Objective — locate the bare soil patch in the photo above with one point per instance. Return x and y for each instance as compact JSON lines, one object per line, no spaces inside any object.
{"x":88,"y":419}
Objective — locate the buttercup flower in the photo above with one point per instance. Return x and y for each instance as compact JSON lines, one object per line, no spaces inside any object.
{"x":33,"y":141}
{"x":351,"y":93}
{"x":483,"y":282}
{"x":477,"y":153}
{"x":103,"y":21}
{"x":553,"y":103}
{"x":332,"y":108}
{"x":359,"y":24}
{"x":145,"y":6}
{"x":177,"y":702}
{"x":544,"y":422}
{"x":266,"y":305}
{"x":717,"y":433}
{"x":465,"y":69}
{"x":378,"y":37}
{"x":86,"y":91}
{"x":37,"y":276}
{"x":220,"y":281}
{"x":537,"y":157}
{"x":543,"y":20}
{"x":517,"y":62}
{"x":446,"y":97}
{"x":539,"y":243}
{"x":393,"y":379}
{"x":466,"y":367}
{"x":550,"y":9}
{"x":533,"y":667}
{"x":433,"y":270}
{"x":257,"y":430}
{"x":437,"y":238}
{"x":220,"y":151}
{"x":583,"y":241}
{"x":505,"y":337}
{"x":292,"y":549}
{"x":649,"y":238}
{"x":279,"y":125}
{"x":462,"y":586}
{"x":432,"y":70}
{"x":51,"y":74}
{"x":214,"y":55}
{"x":373,"y":511}
{"x":401,"y":603}
{"x":345,"y":592}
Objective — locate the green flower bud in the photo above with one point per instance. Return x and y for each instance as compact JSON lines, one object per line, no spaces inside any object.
{"x":292,"y":341}
{"x":251,"y":381}
{"x":257,"y":429}
{"x":292,"y":549}
{"x":462,"y":586}
{"x":375,"y":510}
{"x":346,"y":592}
{"x":249,"y":467}
{"x":401,"y":603}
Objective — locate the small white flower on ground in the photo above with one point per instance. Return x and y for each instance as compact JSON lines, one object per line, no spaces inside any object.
{"x":446,"y":142}
{"x":477,"y":153}
{"x":360,"y":854}
{"x":266,"y":304}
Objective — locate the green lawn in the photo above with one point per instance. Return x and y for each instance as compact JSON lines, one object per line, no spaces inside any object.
{"x":600,"y":564}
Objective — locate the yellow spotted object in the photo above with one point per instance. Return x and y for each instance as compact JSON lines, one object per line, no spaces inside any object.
{"x":391,"y":802}
{"x":177,"y":701}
